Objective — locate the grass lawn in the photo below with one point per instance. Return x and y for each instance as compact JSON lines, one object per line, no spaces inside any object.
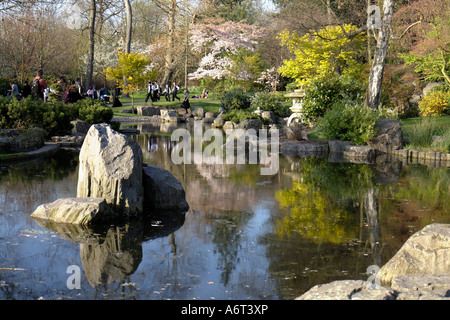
{"x":420,"y":132}
{"x":442,"y":121}
{"x":209,"y":105}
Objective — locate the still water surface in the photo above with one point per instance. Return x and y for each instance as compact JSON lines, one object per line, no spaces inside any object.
{"x":246,"y":236}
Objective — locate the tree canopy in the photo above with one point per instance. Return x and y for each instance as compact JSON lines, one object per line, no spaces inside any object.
{"x":222,"y":44}
{"x":132,"y":71}
{"x":325,"y":53}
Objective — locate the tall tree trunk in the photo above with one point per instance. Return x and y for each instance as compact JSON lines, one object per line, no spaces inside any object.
{"x":129,"y":25}
{"x":382,"y":43}
{"x":329,"y":13}
{"x":90,"y":64}
{"x":128,"y":40}
{"x":186,"y":56}
{"x":169,"y":59}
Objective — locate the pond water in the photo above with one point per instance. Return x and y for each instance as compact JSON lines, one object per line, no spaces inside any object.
{"x":246,"y":236}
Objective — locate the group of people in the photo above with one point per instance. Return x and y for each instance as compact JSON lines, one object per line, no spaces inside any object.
{"x":70,"y":91}
{"x":74,"y":91}
{"x":37,"y":89}
{"x":102,"y":94}
{"x":154,"y":92}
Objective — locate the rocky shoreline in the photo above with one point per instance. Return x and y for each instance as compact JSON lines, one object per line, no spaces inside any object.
{"x":388,"y":141}
{"x":420,"y":270}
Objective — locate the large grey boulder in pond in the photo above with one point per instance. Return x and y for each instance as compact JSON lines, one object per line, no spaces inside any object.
{"x":425,"y":252}
{"x":82,"y":211}
{"x":389,"y":136}
{"x":111,"y":168}
{"x":162,"y":190}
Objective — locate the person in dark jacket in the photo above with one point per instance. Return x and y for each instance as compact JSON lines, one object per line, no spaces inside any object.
{"x":186,"y":105}
{"x":26,"y":90}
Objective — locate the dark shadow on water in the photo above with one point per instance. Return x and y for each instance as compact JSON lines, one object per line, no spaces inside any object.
{"x":110,"y":253}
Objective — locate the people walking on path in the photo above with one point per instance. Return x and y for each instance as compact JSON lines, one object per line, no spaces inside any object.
{"x":156,"y":92}
{"x":26,"y":90}
{"x":149,"y":92}
{"x":175,"y":92}
{"x":14,"y":92}
{"x":186,"y":105}
{"x":167,"y":92}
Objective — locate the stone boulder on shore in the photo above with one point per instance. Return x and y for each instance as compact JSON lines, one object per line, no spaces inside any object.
{"x":297,"y":132}
{"x":148,"y":110}
{"x":389,"y":136}
{"x":425,"y":252}
{"x":420,"y":270}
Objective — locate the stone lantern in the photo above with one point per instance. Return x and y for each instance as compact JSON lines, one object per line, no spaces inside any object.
{"x":297,"y":104}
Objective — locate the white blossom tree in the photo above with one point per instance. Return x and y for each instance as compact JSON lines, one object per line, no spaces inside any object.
{"x":218,"y":43}
{"x":270,"y":78}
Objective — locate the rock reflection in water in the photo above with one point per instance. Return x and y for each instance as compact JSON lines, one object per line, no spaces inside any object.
{"x":112,"y":253}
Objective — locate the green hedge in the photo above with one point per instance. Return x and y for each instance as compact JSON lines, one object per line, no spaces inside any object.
{"x":268,"y":101}
{"x":349,"y":121}
{"x":236,"y":99}
{"x":93,"y":111}
{"x":54,"y":117}
{"x":322,"y":94}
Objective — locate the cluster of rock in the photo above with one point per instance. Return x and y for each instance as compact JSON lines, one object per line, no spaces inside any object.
{"x":76,"y":138}
{"x":114,"y":183}
{"x":160,"y":114}
{"x":420,"y":270}
{"x":389,"y":137}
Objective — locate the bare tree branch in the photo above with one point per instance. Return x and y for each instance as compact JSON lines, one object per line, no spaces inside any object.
{"x":444,"y":73}
{"x":405,"y":31}
{"x":349,"y":35}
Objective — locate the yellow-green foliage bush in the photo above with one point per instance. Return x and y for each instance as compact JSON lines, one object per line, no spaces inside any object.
{"x":434,"y":103}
